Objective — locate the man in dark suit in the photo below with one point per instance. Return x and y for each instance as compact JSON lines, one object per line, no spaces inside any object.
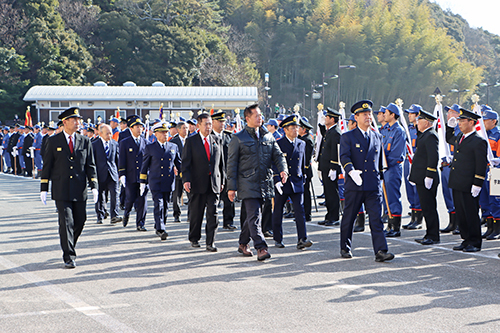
{"x":305,"y":136}
{"x":468,"y":171}
{"x":16,"y":167}
{"x":161,"y":163}
{"x":294,"y":151}
{"x":424,"y":174}
{"x":330,"y":167}
{"x":69,"y":163}
{"x":179,"y":139}
{"x":361,"y":155}
{"x":27,"y":153}
{"x":130,"y":163}
{"x":203,"y":175}
{"x":228,"y":213}
{"x":106,"y":157}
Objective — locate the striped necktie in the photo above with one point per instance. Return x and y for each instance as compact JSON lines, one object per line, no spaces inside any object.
{"x":106,"y":148}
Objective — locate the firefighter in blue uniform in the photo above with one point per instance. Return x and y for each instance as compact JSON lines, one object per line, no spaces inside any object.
{"x":361,"y":157}
{"x":445,"y":168}
{"x":280,"y":118}
{"x":294,"y":151}
{"x":272,"y":126}
{"x":19,"y":146}
{"x":5,"y":153}
{"x":37,"y":143}
{"x":411,"y":190}
{"x":162,"y":162}
{"x":130,"y":163}
{"x":490,"y":205}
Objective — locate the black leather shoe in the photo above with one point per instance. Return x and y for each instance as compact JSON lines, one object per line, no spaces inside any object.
{"x":99,"y":221}
{"x":106,"y":215}
{"x":419,"y":240}
{"x":162,"y":234}
{"x":427,"y":241}
{"x":70,"y":264}
{"x":229,"y":227}
{"x":177,"y":219}
{"x":116,"y":219}
{"x":141,"y":228}
{"x":393,"y":233}
{"x":322,"y":203}
{"x":322,"y":222}
{"x":383,"y":256}
{"x":290,"y":215}
{"x":122,"y":207}
{"x":321,"y":196}
{"x":346,"y":254}
{"x":268,"y":234}
{"x":211,"y":248}
{"x":332,"y":224}
{"x":125,"y":221}
{"x":471,"y":248}
{"x":195,"y":244}
{"x":459,"y":247}
{"x":303,"y":243}
{"x":279,"y":245}
{"x":308,"y":219}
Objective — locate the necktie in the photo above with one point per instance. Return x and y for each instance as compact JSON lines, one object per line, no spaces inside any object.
{"x":106,"y":149}
{"x":71,"y":144}
{"x":138,"y":142}
{"x":207,"y":148}
{"x":367,"y":138}
{"x":461,"y":139}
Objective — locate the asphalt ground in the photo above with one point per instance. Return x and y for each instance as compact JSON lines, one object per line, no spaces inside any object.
{"x":130,"y":281}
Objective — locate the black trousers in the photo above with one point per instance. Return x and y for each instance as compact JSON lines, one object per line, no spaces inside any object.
{"x":228,"y":211}
{"x":160,"y":200}
{"x":72,"y":216}
{"x":197,"y":204}
{"x":428,"y":203}
{"x":177,"y":196}
{"x":100,"y":206}
{"x":331,"y":190}
{"x":134,"y":198}
{"x":122,"y":195}
{"x":300,"y":221}
{"x":251,"y":228}
{"x":28,"y":163}
{"x":467,"y":215}
{"x":307,"y":199}
{"x":267,"y":215}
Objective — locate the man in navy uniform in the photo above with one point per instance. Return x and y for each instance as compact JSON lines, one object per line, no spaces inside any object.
{"x":203,"y":175}
{"x":468,"y":171}
{"x":424,"y":174}
{"x":294,"y":151}
{"x":27,"y":153}
{"x":305,"y":136}
{"x":69,"y":163}
{"x":180,"y":140}
{"x":39,"y":133}
{"x":106,"y":155}
{"x":395,"y":152}
{"x":162,"y":161}
{"x":361,"y":156}
{"x":130,"y":163}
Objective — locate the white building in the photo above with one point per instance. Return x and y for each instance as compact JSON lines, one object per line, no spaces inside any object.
{"x":103,"y":101}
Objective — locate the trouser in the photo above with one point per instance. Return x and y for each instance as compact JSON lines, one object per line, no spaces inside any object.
{"x":20,"y":158}
{"x":177,"y":196}
{"x":332,"y":199}
{"x":447,"y":192}
{"x":28,"y":164}
{"x":300,"y":219}
{"x":122,"y":195}
{"x":394,"y":176}
{"x":467,"y":215}
{"x":197,"y":205}
{"x":38,"y":160}
{"x":100,"y":206}
{"x":411,"y":190}
{"x":307,"y":199}
{"x":429,"y":210}
{"x":160,"y":200}
{"x":228,"y":211}
{"x":72,"y":216}
{"x":373,"y":203}
{"x":251,"y":228}
{"x":134,"y":198}
{"x":7,"y":160}
{"x":267,"y":215}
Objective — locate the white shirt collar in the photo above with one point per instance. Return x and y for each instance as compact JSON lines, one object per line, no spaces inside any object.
{"x":466,"y":135}
{"x":203,"y":138}
{"x":292,"y":142}
{"x":104,"y":142}
{"x":363,"y":132}
{"x":67,"y":136}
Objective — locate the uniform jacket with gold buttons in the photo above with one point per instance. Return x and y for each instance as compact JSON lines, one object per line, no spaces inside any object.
{"x":158,"y":166}
{"x":295,"y":159}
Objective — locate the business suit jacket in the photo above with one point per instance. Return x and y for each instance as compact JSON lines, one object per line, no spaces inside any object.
{"x":295,"y":159}
{"x":469,"y":160}
{"x":158,"y":166}
{"x":196,"y":169}
{"x":309,"y":151}
{"x":356,"y":153}
{"x":329,"y":152}
{"x":426,"y":158}
{"x":107,"y":166}
{"x":124,"y":134}
{"x":68,"y":172}
{"x":130,"y":159}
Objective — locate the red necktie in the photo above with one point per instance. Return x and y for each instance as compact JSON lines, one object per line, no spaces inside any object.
{"x":207,"y":148}
{"x":461,"y":139}
{"x":70,"y":144}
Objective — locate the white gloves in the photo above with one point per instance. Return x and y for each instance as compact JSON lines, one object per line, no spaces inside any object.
{"x":279,"y":187}
{"x":122,"y":180}
{"x":142,"y":188}
{"x":409,"y":181}
{"x":428,"y":182}
{"x":43,"y":197}
{"x":356,"y":176}
{"x":475,"y":190}
{"x":332,"y":174}
{"x":14,"y":151}
{"x":28,"y":155}
{"x":495,"y":161}
{"x":95,"y":194}
{"x":452,"y":122}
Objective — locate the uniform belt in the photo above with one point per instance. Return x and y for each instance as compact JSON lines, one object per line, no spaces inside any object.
{"x":37,"y":148}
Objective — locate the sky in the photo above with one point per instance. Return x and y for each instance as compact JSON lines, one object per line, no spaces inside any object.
{"x":479,"y":13}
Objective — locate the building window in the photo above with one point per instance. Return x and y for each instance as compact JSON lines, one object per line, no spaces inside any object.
{"x":99,"y":113}
{"x":90,"y":103}
{"x":53,"y":115}
{"x":129,"y":103}
{"x":176,"y":104}
{"x":145,"y":103}
{"x":65,"y":104}
{"x":186,"y":104}
{"x":54,"y":104}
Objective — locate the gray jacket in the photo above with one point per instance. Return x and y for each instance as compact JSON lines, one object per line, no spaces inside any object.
{"x":249,"y":165}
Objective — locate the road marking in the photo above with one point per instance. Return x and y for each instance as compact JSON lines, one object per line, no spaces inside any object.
{"x":77,"y":304}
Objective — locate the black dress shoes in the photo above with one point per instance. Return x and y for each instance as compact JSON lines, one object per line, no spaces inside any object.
{"x":70,"y":264}
{"x":125,"y":221}
{"x":268,"y":234}
{"x":427,"y":241}
{"x":303,"y":243}
{"x":141,"y":228}
{"x":211,"y":248}
{"x":322,"y":222}
{"x":177,"y":219}
{"x":99,"y":221}
{"x":290,"y":215}
{"x":229,"y":227}
{"x":346,"y":254}
{"x":332,"y":224}
{"x":195,"y":244}
{"x":116,"y":219}
{"x":106,"y":215}
{"x":459,"y":247}
{"x":383,"y":256}
{"x":162,"y":234}
{"x":471,"y":248}
{"x":279,"y":245}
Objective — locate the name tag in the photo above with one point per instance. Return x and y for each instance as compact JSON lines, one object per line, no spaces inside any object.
{"x":358,"y":145}
{"x":59,"y":149}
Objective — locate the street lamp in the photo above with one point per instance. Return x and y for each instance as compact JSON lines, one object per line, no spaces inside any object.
{"x":326,"y":83}
{"x":458,"y":91}
{"x":266,"y":88}
{"x":484,"y":84}
{"x":338,"y":79}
